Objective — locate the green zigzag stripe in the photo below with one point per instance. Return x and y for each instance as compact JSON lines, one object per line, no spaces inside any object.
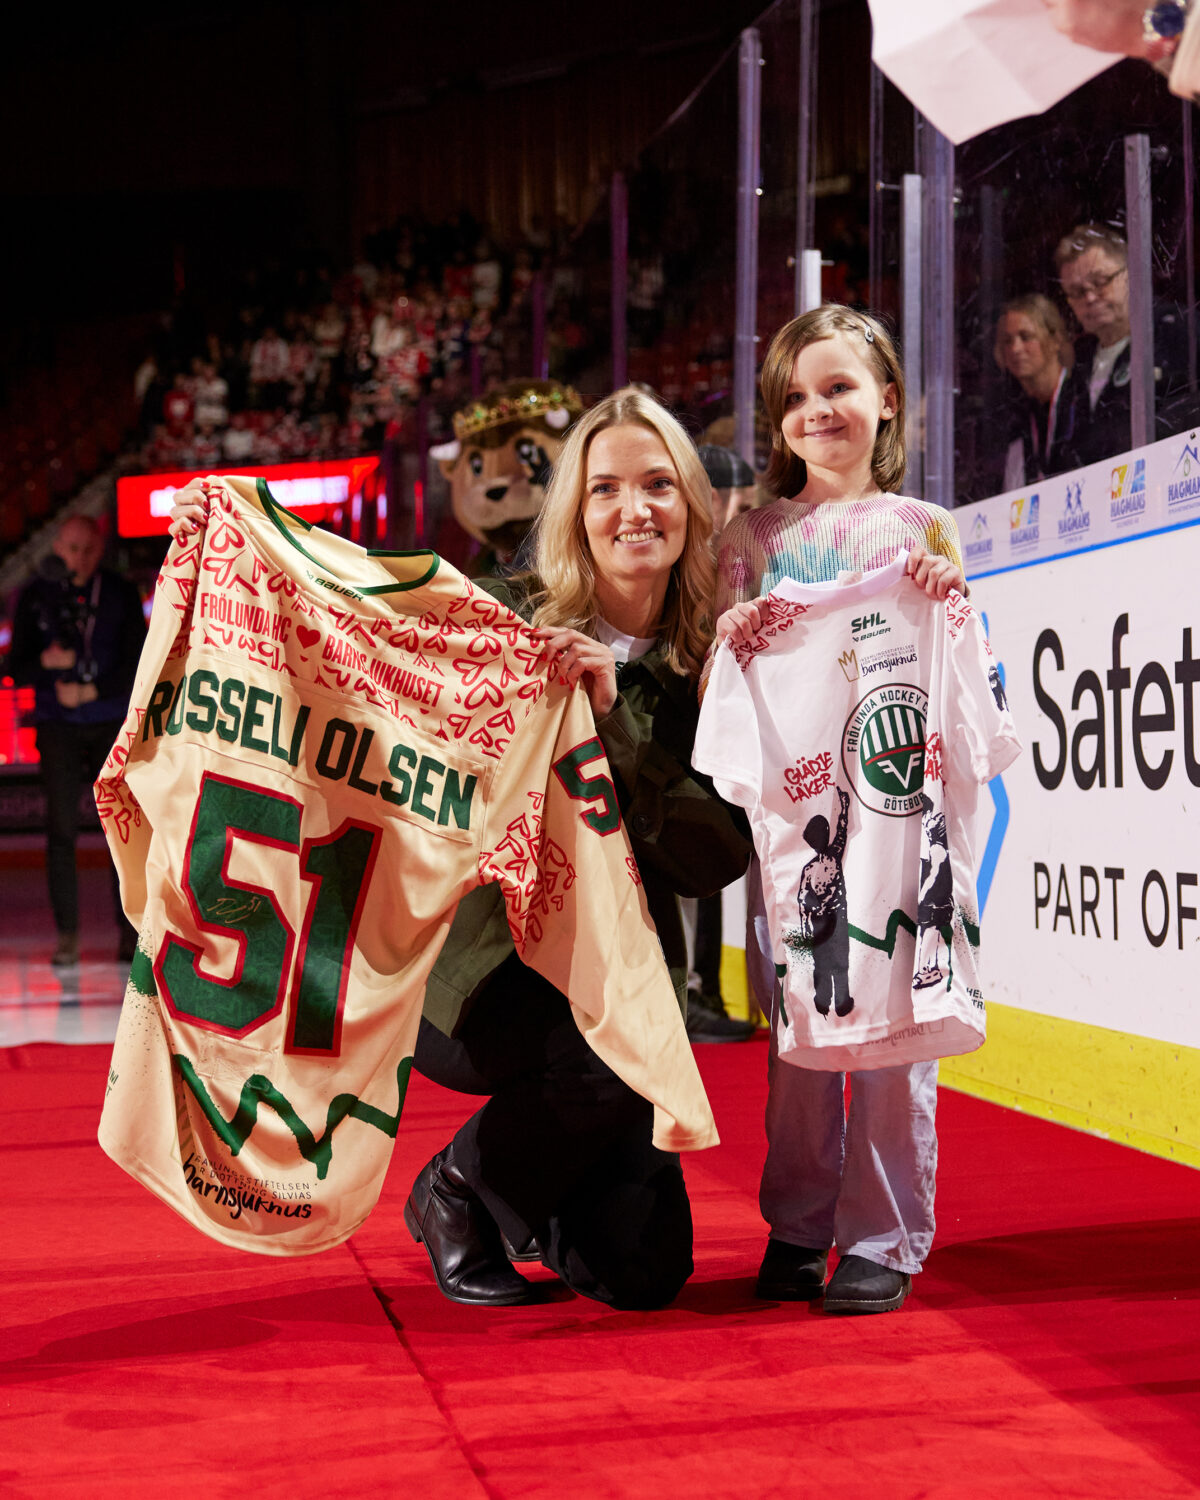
{"x":887,"y":944}
{"x":257,"y":1089}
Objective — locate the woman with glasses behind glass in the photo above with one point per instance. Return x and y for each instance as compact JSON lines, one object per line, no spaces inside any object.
{"x":1093,"y":268}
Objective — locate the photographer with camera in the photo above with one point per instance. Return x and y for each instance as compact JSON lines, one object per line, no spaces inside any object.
{"x":77,"y":635}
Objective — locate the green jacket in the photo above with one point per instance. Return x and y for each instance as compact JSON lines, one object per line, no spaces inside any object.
{"x":686,"y":841}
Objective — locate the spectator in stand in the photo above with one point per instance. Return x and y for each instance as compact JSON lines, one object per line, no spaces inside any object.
{"x":239,"y":441}
{"x":457,"y":277}
{"x":486,"y":276}
{"x":1032,"y":346}
{"x":212,"y":397}
{"x":329,"y":331}
{"x":77,"y":636}
{"x":523,"y":273}
{"x":1093,"y":266}
{"x":205,"y":451}
{"x":270,"y":359}
{"x":179,"y":406}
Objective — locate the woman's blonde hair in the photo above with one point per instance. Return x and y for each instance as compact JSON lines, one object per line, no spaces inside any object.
{"x":786,"y":473}
{"x":1046,"y":318}
{"x":563,"y":560}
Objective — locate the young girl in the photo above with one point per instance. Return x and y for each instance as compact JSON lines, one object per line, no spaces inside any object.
{"x":863,"y":1181}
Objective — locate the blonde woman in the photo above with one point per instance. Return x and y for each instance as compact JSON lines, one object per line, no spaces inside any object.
{"x":559,"y":1158}
{"x":1032,"y":346}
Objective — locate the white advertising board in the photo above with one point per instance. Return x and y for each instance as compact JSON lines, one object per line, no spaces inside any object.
{"x":1092,"y":872}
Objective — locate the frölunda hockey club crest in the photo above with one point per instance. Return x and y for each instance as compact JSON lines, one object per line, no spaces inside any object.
{"x":883,"y":749}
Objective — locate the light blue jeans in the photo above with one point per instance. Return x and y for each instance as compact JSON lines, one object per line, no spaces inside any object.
{"x":861,"y":1179}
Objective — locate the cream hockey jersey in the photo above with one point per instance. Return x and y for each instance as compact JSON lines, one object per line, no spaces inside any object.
{"x":326,"y":749}
{"x":857,"y":728}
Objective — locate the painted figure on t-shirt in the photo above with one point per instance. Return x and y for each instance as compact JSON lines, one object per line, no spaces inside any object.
{"x":823,"y":918}
{"x":935,"y":900}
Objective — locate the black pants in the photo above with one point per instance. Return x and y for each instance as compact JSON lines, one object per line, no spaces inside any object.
{"x":71,"y":757}
{"x":562,"y":1148}
{"x":707,"y":958}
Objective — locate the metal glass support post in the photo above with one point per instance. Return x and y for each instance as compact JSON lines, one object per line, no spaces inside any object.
{"x":618,"y":228}
{"x":910,"y":329}
{"x":809,"y":281}
{"x":806,"y":136}
{"x":937,"y":164}
{"x":1138,"y":229}
{"x":991,"y":299}
{"x":745,"y":341}
{"x":1189,"y":234}
{"x":875,"y":176}
{"x":991,"y":258}
{"x":537,"y":320}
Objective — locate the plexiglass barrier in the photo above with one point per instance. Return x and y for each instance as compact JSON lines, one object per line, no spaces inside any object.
{"x":1075,"y":272}
{"x":1055,"y":295}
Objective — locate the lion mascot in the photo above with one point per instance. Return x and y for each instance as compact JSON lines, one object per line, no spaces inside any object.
{"x":499,"y":464}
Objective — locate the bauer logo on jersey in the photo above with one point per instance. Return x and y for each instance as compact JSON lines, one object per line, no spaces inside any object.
{"x":883,"y":749}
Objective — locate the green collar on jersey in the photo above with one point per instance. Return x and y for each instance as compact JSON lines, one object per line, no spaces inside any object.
{"x":276,"y":512}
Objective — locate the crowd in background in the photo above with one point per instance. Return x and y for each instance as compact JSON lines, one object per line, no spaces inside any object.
{"x":297,"y":362}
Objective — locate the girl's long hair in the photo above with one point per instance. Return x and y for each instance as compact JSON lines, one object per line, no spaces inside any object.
{"x":563,"y":559}
{"x":786,"y":473}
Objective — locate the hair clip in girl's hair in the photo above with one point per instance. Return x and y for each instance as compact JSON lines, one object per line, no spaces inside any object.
{"x":868,"y":333}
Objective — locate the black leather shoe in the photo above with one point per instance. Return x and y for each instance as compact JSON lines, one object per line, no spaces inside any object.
{"x":461,"y":1238}
{"x":862,"y":1286}
{"x":707,"y":1021}
{"x":790,"y":1273}
{"x":526,"y":1250}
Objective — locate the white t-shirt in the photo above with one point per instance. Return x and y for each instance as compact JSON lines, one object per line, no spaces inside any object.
{"x":1102,"y":367}
{"x":625,"y":648}
{"x":857,"y":729}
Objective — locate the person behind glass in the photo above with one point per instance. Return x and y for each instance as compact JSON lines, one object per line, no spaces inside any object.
{"x":734,"y":489}
{"x":559,"y":1159}
{"x":1032,"y":346}
{"x":1093,"y":266}
{"x":734,"y":484}
{"x":77,"y":636}
{"x":833,"y":393}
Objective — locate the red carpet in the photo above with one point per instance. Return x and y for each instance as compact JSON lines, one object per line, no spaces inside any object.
{"x":1052,"y":1348}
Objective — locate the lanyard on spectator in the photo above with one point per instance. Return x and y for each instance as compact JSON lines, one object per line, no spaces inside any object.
{"x":1043,"y":455}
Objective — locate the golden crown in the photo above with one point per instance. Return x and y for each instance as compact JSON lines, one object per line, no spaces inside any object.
{"x":517,"y":406}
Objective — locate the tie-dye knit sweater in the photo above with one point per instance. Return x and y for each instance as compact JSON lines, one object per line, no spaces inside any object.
{"x":814,"y":543}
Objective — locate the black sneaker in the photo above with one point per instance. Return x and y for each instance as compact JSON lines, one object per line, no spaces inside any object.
{"x":862,"y":1286}
{"x":790,"y":1273}
{"x":707,"y":1021}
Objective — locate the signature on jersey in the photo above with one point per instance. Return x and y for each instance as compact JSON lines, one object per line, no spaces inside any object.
{"x":231,"y":908}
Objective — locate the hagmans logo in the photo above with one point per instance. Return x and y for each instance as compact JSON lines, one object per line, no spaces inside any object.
{"x":978,"y":545}
{"x":1127,"y":494}
{"x":883,"y":749}
{"x":1023,"y":523}
{"x":1075,"y":520}
{"x":1184,"y":489}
